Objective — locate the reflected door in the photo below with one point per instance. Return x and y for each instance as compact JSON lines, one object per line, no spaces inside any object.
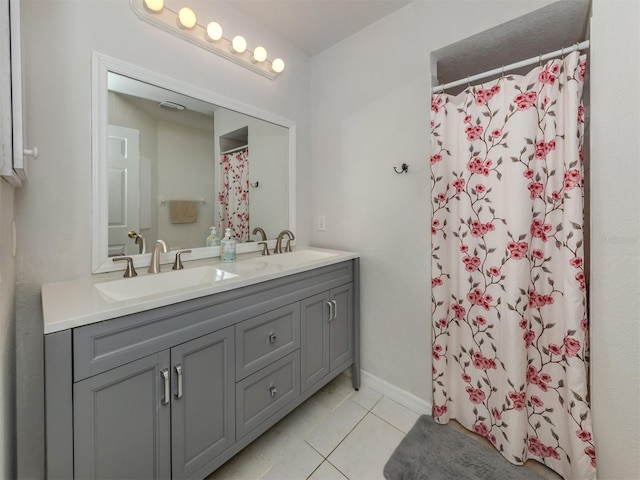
{"x":123,"y":173}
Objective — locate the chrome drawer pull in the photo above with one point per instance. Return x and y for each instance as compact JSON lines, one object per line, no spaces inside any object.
{"x":335,"y":309}
{"x":273,"y":391}
{"x":178,"y":369}
{"x":272,"y":338}
{"x":165,"y":376}
{"x":330,"y":310}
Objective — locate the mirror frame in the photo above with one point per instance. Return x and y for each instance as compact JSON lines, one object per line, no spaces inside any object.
{"x":101,"y":65}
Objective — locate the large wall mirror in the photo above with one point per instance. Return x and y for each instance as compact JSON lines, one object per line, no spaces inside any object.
{"x":171,"y":160}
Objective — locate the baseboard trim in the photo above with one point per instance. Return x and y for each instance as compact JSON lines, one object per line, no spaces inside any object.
{"x":404,"y":398}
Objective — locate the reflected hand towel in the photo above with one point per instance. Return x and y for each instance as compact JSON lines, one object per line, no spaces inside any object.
{"x":183,"y":211}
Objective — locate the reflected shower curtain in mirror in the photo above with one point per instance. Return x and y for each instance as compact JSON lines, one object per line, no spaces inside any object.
{"x":509,"y":313}
{"x":234,"y":193}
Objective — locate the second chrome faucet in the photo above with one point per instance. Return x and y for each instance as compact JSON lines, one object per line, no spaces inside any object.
{"x":287,"y":248}
{"x":263,"y":242}
{"x":154,"y":262}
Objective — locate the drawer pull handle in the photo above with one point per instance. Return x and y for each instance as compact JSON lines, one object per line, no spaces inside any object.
{"x":165,"y":376}
{"x":178,"y":369}
{"x":273,"y":391}
{"x":335,"y":309}
{"x":272,"y":338}
{"x":330,"y":305}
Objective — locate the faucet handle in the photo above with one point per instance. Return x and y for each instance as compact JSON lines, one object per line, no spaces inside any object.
{"x":130,"y":271}
{"x":177,"y":264}
{"x":288,"y":247}
{"x":265,"y":248}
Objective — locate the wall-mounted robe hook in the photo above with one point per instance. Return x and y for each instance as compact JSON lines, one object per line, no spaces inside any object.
{"x":404,"y":168}
{"x":255,"y":185}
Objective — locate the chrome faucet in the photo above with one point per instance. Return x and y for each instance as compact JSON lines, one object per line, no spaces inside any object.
{"x":261,"y":232}
{"x":140,"y":241}
{"x":278,"y":248}
{"x":154,"y":261}
{"x":265,"y":246}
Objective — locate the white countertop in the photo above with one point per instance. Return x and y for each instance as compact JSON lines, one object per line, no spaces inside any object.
{"x":76,"y":303}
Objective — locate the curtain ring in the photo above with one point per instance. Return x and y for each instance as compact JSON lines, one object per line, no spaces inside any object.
{"x":540,"y":60}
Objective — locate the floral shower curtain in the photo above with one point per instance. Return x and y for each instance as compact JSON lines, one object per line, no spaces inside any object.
{"x":510,"y":354}
{"x":234,"y":193}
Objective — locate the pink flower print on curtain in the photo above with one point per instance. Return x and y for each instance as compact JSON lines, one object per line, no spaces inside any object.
{"x":233,"y":196}
{"x":509,"y":319}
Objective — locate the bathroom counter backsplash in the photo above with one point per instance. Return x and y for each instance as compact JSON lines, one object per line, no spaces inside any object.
{"x":75,"y":303}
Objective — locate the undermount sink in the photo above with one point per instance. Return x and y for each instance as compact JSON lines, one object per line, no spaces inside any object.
{"x":148,"y":285}
{"x":297,"y":257}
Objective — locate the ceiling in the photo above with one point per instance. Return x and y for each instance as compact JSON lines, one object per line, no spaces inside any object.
{"x":315,"y":25}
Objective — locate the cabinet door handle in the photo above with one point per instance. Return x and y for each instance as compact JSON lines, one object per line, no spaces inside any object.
{"x":178,"y":369}
{"x":335,"y":309}
{"x":330,"y":305}
{"x":273,"y":391}
{"x":272,"y":338}
{"x":165,"y":376}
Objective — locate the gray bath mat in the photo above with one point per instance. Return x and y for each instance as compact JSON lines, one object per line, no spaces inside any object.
{"x":438,"y":452}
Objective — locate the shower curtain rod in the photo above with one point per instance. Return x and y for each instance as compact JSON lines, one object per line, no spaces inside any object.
{"x":523,"y":63}
{"x":236,"y":149}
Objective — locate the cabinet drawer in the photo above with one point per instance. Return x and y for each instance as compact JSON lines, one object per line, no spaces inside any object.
{"x":267,"y":391}
{"x":265,"y":338}
{"x":105,"y":345}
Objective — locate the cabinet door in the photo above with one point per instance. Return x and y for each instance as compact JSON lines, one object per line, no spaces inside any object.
{"x":314,"y":344}
{"x":341,"y":326}
{"x":122,"y":422}
{"x":203,"y":410}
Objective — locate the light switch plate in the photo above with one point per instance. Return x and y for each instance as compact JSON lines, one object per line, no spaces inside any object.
{"x":322,"y":223}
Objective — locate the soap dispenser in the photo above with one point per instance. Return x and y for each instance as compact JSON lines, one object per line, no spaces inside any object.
{"x":213,"y":240}
{"x":228,"y":247}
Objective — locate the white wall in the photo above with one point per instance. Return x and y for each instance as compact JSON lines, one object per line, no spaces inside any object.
{"x":615,"y":237}
{"x":7,"y":335}
{"x":53,"y":209}
{"x":370,"y":112}
{"x":186,"y":153}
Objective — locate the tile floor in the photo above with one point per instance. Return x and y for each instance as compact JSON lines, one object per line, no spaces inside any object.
{"x":338,"y":434}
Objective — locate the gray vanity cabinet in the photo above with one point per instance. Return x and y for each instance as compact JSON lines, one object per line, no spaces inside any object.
{"x":163,"y":416}
{"x":327,"y":333}
{"x":176,"y":391}
{"x":121,"y":428}
{"x":341,"y":327}
{"x":203,"y":401}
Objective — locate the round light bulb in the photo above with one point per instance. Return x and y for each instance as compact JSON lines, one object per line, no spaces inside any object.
{"x":186,"y":17}
{"x":239,"y":44}
{"x":214,"y":31}
{"x":260,"y":54}
{"x":277,"y":65}
{"x":154,"y":5}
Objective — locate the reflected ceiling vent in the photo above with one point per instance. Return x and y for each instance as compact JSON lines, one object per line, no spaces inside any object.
{"x":176,"y":107}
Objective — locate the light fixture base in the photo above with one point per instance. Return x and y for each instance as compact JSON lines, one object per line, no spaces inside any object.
{"x":167,"y":20}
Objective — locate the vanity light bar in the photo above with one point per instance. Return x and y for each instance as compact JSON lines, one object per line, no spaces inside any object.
{"x":155,"y":13}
